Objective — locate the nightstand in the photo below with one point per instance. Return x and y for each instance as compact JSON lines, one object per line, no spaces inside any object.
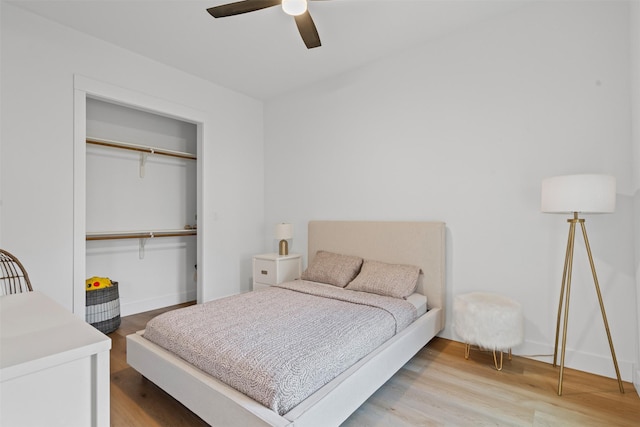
{"x":272,"y":269}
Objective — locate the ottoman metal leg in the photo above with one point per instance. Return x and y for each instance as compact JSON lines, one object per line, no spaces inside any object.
{"x":495,"y":360}
{"x":467,"y":350}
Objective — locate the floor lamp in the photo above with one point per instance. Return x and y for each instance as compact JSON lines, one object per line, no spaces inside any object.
{"x":578,"y":194}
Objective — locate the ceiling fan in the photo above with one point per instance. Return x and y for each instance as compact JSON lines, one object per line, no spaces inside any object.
{"x":295,"y":8}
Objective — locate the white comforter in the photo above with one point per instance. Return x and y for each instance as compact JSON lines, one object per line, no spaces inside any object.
{"x":281,"y":344}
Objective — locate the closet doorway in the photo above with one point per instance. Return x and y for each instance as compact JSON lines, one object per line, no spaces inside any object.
{"x":137,"y":187}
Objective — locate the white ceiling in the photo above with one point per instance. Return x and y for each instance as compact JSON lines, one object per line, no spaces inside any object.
{"x":261,"y":53}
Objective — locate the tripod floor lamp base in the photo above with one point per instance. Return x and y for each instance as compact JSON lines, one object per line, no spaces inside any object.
{"x":565,"y":293}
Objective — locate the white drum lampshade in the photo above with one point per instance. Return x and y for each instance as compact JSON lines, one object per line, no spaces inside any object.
{"x":586,"y":193}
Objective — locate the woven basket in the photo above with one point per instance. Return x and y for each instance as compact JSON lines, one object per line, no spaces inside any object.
{"x":103,"y":308}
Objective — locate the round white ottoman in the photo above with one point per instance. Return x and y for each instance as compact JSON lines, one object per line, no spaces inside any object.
{"x":489,"y":321}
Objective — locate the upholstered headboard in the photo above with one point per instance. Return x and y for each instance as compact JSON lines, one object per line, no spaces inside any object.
{"x":415,"y":243}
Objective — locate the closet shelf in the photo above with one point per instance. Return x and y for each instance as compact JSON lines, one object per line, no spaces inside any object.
{"x":146,"y":234}
{"x":141,"y":148}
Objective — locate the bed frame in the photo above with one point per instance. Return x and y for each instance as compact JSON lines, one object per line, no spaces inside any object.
{"x":415,"y":243}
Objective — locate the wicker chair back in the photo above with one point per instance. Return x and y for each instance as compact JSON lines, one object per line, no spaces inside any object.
{"x":13,"y":276}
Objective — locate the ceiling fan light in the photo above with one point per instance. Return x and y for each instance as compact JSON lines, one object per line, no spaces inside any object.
{"x":294,"y":7}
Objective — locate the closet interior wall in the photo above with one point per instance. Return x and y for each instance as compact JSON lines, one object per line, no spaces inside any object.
{"x":128,"y":191}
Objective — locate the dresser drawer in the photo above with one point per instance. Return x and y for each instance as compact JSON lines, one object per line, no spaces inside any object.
{"x":264,"y":271}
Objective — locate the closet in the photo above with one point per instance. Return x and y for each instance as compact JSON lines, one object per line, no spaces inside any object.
{"x":141,"y":204}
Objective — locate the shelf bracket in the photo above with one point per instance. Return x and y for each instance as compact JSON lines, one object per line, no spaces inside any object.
{"x":143,"y":161}
{"x":141,"y":243}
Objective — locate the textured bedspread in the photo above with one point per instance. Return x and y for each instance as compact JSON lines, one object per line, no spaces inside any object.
{"x":281,"y":344}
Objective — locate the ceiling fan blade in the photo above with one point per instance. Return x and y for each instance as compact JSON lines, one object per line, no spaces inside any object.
{"x":240,"y":7}
{"x":308,"y":30}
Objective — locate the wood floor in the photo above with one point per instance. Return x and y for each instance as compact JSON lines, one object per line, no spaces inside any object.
{"x":438,"y":387}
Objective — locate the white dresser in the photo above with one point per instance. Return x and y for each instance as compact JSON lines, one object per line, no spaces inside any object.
{"x":272,"y":269}
{"x":54,"y":367}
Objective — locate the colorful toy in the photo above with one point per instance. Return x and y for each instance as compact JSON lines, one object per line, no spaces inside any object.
{"x":98,"y":283}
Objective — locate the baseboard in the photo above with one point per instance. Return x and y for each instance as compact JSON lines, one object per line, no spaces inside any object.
{"x":636,"y":380}
{"x":141,"y":306}
{"x":586,"y":362}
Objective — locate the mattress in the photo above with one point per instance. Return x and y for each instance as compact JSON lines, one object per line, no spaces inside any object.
{"x":419,"y":301}
{"x":281,"y":344}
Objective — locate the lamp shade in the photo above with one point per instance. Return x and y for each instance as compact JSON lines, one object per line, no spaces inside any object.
{"x":284,"y":231}
{"x":587,"y":193}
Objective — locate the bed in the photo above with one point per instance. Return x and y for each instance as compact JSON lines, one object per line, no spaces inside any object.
{"x":420,"y":244}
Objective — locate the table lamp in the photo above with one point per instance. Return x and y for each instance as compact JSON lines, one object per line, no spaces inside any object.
{"x":283,"y":232}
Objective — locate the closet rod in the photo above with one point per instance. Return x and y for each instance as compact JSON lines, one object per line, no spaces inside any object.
{"x":141,"y":148}
{"x":140,"y":234}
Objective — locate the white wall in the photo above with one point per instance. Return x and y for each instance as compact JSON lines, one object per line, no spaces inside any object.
{"x":463,"y":129}
{"x":39,"y":61}
{"x":635,"y":125}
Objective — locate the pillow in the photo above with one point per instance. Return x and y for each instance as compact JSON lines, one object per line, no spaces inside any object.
{"x":331,"y":268}
{"x":393,"y":280}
